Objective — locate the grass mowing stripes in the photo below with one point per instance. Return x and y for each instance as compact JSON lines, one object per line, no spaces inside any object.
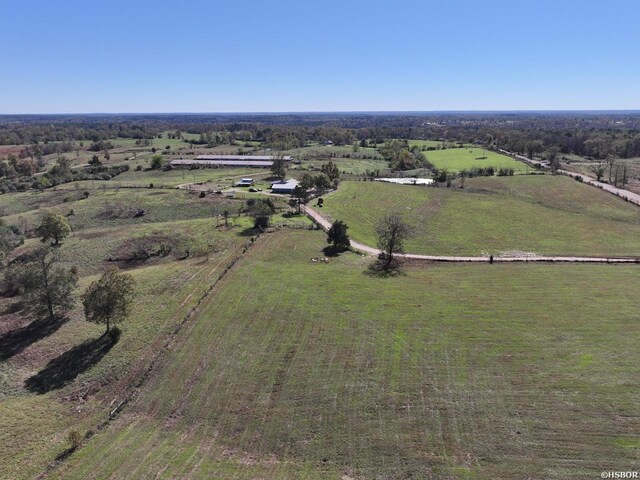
{"x":296,"y":369}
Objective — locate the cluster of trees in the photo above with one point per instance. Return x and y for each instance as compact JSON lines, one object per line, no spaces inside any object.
{"x":47,"y":288}
{"x":402,"y":157}
{"x":260,"y":210}
{"x":20,"y":175}
{"x":611,"y":171}
{"x":320,"y":182}
{"x":11,"y":237}
{"x":100,"y":146}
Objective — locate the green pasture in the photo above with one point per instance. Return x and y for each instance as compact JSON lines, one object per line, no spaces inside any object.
{"x":296,"y":369}
{"x":456,"y":159}
{"x":551,"y":215}
{"x":78,"y":389}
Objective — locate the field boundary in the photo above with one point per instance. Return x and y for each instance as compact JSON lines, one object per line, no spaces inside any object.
{"x":323,"y":223}
{"x":133,"y":389}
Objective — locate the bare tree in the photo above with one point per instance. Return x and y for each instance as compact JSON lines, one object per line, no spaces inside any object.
{"x":611,"y":162}
{"x":392,"y":231}
{"x":598,"y":170}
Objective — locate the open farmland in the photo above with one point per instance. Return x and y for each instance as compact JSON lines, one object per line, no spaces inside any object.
{"x":217,"y":178}
{"x":107,"y":207}
{"x":63,"y":376}
{"x":456,"y":159}
{"x":295,"y":369}
{"x":551,"y":215}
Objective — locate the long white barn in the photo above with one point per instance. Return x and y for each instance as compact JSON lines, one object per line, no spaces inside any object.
{"x":259,"y":161}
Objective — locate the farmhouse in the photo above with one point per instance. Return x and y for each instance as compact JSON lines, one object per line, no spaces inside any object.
{"x":258,"y":161}
{"x":284,"y":186}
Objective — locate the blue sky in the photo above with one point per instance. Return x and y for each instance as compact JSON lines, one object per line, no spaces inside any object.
{"x":269,"y":56}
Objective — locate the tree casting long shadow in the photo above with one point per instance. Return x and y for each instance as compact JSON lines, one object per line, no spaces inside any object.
{"x":15,"y":341}
{"x":64,"y":369}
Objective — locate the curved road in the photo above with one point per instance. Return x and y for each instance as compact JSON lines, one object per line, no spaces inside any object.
{"x":326,"y":224}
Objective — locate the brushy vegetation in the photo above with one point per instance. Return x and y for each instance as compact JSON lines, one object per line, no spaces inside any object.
{"x":295,"y":369}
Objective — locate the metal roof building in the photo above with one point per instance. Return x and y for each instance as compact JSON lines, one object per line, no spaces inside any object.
{"x":262,"y":161}
{"x":233,"y":158}
{"x":284,"y":187}
{"x":223,"y":163}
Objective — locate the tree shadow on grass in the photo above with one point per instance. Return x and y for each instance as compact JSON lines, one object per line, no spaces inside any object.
{"x":64,"y":369}
{"x":331,"y":251}
{"x":15,"y":341}
{"x":380,"y":269}
{"x":249,"y":232}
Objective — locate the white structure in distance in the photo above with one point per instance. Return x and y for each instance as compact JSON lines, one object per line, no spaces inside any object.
{"x":406,"y":181}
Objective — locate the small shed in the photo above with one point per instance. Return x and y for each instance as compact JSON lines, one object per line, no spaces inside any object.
{"x":245,"y":182}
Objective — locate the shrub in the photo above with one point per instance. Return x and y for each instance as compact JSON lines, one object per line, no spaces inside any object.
{"x":114,"y":334}
{"x":75,"y":437}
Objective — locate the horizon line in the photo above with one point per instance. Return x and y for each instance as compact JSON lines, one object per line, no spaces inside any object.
{"x":343,"y":112}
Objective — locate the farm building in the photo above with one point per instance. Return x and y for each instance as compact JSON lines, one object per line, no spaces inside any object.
{"x":284,"y":186}
{"x":258,"y":161}
{"x":245,"y":182}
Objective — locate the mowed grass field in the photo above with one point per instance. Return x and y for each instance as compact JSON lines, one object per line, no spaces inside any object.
{"x":80,"y":377}
{"x":295,"y":369}
{"x":551,"y":215}
{"x":218,"y":178}
{"x":456,"y":159}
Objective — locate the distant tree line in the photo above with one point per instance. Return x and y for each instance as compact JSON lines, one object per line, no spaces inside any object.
{"x":592,"y":135}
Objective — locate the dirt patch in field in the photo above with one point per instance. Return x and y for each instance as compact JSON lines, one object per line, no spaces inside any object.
{"x":152,"y":247}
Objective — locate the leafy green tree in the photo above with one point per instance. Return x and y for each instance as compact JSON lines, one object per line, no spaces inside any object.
{"x":53,"y":226}
{"x":322,"y":182}
{"x":392,"y":231}
{"x":108,"y":300}
{"x":533,"y":147}
{"x":330,"y":169}
{"x":95,"y":161}
{"x":261,"y":211}
{"x":46,"y":288}
{"x":300,"y":196}
{"x":10,"y":239}
{"x":307,"y":182}
{"x":337,"y":236}
{"x":156,"y":162}
{"x":279,"y":168}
